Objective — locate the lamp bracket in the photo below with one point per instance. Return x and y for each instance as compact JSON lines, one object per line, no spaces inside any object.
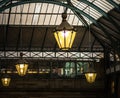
{"x":64,"y":16}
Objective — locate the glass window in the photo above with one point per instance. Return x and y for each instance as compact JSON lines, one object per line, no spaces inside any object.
{"x":70,"y":69}
{"x":81,"y":67}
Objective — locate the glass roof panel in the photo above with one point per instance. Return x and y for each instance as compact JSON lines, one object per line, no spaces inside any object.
{"x":104,"y":5}
{"x":117,"y":1}
{"x":50,"y":14}
{"x":53,"y":19}
{"x":3,"y":18}
{"x":13,"y":10}
{"x":57,"y":9}
{"x":57,"y":20}
{"x":17,"y":19}
{"x":70,"y":19}
{"x":79,"y":4}
{"x":47,"y":18}
{"x":39,"y":14}
{"x":92,"y":12}
{"x":12,"y":19}
{"x":28,"y":20}
{"x":87,"y":20}
{"x":50,"y":8}
{"x":31,"y":8}
{"x":26,"y":8}
{"x":38,"y":7}
{"x":18,"y":9}
{"x":87,"y":9}
{"x":35,"y":19}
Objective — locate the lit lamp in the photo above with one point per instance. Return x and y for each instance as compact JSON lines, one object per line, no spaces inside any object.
{"x":90,"y":75}
{"x":5,"y":80}
{"x":21,"y":66}
{"x":64,"y":34}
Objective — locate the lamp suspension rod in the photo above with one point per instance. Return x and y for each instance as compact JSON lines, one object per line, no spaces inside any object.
{"x":90,"y":42}
{"x":89,"y":30}
{"x":20,"y":24}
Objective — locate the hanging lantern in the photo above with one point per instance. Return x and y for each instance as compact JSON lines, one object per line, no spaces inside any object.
{"x":22,"y":66}
{"x":90,"y":75}
{"x":5,"y":80}
{"x":64,"y":34}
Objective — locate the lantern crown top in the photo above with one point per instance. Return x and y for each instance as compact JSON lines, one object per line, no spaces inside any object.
{"x":22,"y":61}
{"x":64,"y":16}
{"x":64,"y":24}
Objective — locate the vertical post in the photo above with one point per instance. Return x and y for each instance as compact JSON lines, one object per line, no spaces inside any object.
{"x":116,"y":86}
{"x":50,"y":69}
{"x":106,"y":66}
{"x":75,"y":69}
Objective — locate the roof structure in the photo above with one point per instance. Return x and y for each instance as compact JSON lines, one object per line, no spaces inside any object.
{"x":37,"y":19}
{"x":27,"y":26}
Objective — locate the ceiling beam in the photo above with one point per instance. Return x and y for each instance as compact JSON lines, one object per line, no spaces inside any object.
{"x":83,"y":37}
{"x":6,"y":30}
{"x":43,"y":42}
{"x":113,"y":45}
{"x":113,"y":42}
{"x":93,"y":44}
{"x":103,"y":42}
{"x":98,"y":39}
{"x":31,"y":39}
{"x":18,"y":39}
{"x":113,"y":32}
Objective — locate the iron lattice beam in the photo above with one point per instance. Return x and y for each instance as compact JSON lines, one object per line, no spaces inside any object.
{"x":53,"y":55}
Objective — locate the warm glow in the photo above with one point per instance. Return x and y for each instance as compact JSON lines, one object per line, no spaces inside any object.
{"x":65,"y":38}
{"x":90,"y":77}
{"x":21,"y":69}
{"x":113,"y":87}
{"x":5,"y":81}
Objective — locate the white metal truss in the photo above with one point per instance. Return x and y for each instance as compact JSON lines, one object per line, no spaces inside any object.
{"x":53,"y":55}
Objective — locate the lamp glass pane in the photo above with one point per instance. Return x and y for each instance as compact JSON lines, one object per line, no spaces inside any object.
{"x":6,"y":81}
{"x":90,"y":77}
{"x":21,"y":69}
{"x":65,"y":38}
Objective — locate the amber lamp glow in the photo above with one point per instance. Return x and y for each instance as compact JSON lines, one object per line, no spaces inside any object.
{"x":90,"y":75}
{"x":64,"y":34}
{"x":21,"y":66}
{"x":6,"y":80}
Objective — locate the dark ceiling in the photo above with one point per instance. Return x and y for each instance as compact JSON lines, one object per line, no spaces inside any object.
{"x":32,"y":38}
